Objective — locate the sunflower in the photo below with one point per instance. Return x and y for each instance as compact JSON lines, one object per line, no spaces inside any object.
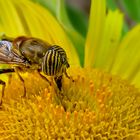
{"x":102,"y":100}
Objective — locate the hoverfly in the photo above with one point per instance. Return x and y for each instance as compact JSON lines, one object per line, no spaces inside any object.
{"x":28,"y":53}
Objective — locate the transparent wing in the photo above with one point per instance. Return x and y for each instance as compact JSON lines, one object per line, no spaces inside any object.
{"x":7,"y":56}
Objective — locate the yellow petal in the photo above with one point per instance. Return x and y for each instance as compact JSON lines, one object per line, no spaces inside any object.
{"x":127,"y":60}
{"x":110,"y":40}
{"x":96,"y":26}
{"x":10,"y":21}
{"x":136,"y":74}
{"x":24,"y":17}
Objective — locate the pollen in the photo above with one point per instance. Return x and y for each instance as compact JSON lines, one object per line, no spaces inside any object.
{"x":91,"y":105}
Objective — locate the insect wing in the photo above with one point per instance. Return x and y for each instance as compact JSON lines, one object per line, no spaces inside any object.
{"x":7,"y":56}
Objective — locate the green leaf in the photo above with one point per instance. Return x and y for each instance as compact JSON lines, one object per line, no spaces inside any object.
{"x":133,"y":8}
{"x":111,"y":4}
{"x":76,"y":16}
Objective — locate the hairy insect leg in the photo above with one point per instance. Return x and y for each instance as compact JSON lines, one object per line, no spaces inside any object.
{"x":22,"y":80}
{"x":60,"y":92}
{"x":9,"y":78}
{"x":43,"y":77}
{"x":69,"y":77}
{"x":58,"y":81}
{"x":2,"y":71}
{"x":3,"y":88}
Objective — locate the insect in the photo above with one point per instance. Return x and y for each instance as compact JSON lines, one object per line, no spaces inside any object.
{"x":9,"y":57}
{"x":28,"y":53}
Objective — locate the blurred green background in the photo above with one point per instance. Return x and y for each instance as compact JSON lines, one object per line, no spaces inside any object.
{"x":130,"y":9}
{"x":78,"y":11}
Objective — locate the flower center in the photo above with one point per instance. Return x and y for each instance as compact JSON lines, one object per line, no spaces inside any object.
{"x":95,"y":104}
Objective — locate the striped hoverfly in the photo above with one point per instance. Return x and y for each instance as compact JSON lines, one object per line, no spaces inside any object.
{"x":28,"y":53}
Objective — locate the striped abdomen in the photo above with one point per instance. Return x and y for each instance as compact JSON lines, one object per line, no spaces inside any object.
{"x":55,"y":61}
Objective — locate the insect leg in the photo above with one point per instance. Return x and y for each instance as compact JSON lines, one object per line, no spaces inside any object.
{"x":2,"y":71}
{"x":3,"y":88}
{"x":9,"y":78}
{"x":58,"y":81}
{"x":43,"y":77}
{"x":68,"y":76}
{"x":22,"y":80}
